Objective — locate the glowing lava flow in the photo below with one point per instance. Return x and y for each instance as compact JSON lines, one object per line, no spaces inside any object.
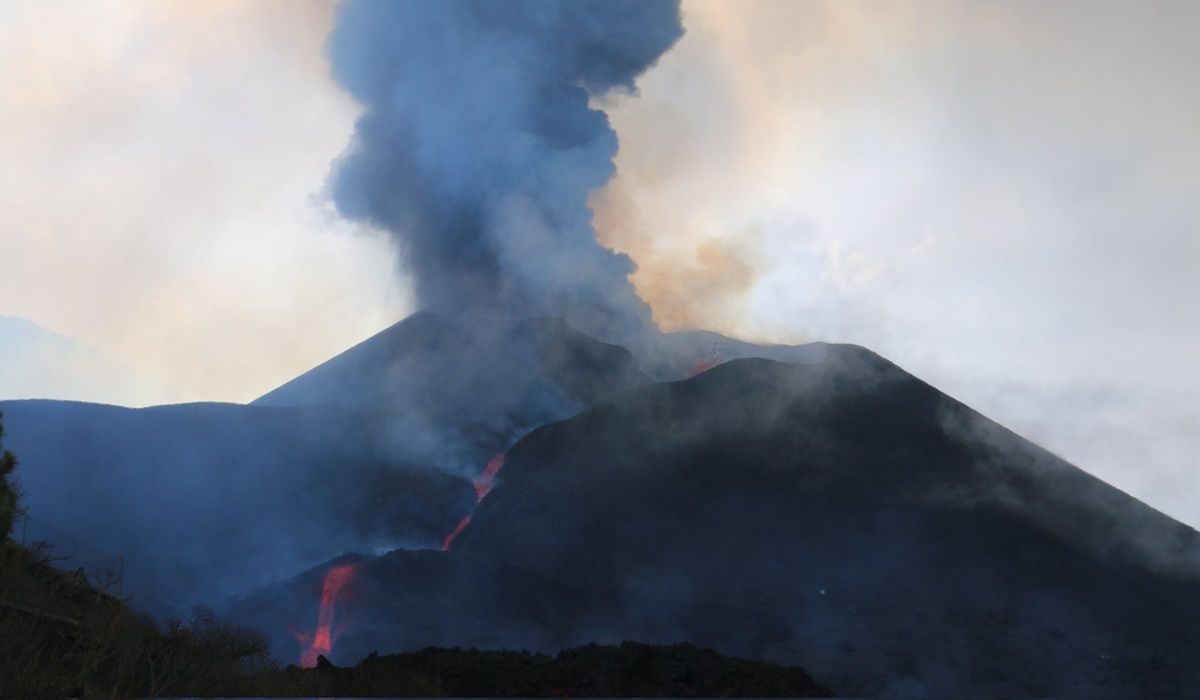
{"x":483,"y":486}
{"x":321,"y":641}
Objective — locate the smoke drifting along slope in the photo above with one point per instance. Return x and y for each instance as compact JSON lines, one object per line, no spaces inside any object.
{"x":835,"y":513}
{"x":376,"y":448}
{"x":209,"y":500}
{"x":455,"y":391}
{"x":478,"y":147}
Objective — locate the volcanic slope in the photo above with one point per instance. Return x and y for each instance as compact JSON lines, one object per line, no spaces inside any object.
{"x":206,"y":500}
{"x":462,"y":389}
{"x":682,"y":354}
{"x":840,"y":515}
{"x":372,"y":450}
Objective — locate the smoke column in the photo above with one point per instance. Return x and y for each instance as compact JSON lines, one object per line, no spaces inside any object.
{"x":478,"y":147}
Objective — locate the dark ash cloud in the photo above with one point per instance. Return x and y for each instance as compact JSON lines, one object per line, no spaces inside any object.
{"x":479,"y":145}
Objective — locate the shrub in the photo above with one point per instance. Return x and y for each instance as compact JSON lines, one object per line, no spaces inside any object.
{"x":8,"y":491}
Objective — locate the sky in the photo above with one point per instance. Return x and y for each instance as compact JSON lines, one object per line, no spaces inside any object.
{"x":999,"y":197}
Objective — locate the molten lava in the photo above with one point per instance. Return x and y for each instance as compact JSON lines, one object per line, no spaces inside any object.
{"x":321,"y":641}
{"x":462,"y":525}
{"x":483,"y":486}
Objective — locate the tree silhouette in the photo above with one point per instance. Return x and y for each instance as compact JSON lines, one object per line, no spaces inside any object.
{"x":8,"y":493}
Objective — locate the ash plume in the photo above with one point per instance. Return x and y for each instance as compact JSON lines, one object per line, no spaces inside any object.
{"x":479,"y":144}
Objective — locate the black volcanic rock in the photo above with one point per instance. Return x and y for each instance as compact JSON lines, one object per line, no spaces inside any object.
{"x":410,"y":599}
{"x":868,"y":512}
{"x":442,"y":600}
{"x":627,"y":670}
{"x":840,"y":515}
{"x":851,"y":428}
{"x":831,"y":512}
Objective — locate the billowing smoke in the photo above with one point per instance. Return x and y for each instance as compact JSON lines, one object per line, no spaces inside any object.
{"x":479,"y":145}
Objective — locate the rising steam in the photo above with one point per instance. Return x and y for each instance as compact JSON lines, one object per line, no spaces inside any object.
{"x":479,"y":145}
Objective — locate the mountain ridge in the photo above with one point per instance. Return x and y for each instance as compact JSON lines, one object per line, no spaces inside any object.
{"x":832,"y":511}
{"x":856,"y":518}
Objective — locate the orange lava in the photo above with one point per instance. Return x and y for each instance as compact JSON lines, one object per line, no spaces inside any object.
{"x":321,"y":641}
{"x":483,"y":486}
{"x":462,"y":525}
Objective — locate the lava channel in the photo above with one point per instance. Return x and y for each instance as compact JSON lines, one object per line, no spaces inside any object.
{"x":483,"y":486}
{"x":320,"y":643}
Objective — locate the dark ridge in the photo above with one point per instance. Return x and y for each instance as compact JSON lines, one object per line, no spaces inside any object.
{"x":682,"y":354}
{"x":832,"y":512}
{"x":840,"y":515}
{"x":207,"y":500}
{"x":862,"y":510}
{"x":628,"y":670}
{"x":850,"y":427}
{"x":455,"y":391}
{"x":463,"y":361}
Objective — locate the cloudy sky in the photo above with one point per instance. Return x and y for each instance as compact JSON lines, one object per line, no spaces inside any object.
{"x":1000,"y":197}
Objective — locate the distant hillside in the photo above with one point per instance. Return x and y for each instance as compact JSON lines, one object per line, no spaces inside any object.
{"x":206,"y":500}
{"x":39,"y":364}
{"x":682,"y":354}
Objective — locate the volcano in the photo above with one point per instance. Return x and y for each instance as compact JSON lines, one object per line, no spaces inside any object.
{"x":380,"y":447}
{"x":835,"y":513}
{"x":818,"y":507}
{"x":473,"y":385}
{"x":889,"y":536}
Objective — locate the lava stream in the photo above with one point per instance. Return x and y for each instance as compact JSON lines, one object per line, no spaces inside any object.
{"x":462,"y":525}
{"x":321,"y":641}
{"x":483,"y":486}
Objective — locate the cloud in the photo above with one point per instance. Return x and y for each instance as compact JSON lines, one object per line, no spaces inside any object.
{"x":996,"y":196}
{"x":38,"y":364}
{"x":160,"y":190}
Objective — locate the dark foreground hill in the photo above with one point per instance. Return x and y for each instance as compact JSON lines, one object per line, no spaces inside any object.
{"x":840,"y":515}
{"x":64,"y":638}
{"x":627,"y":670}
